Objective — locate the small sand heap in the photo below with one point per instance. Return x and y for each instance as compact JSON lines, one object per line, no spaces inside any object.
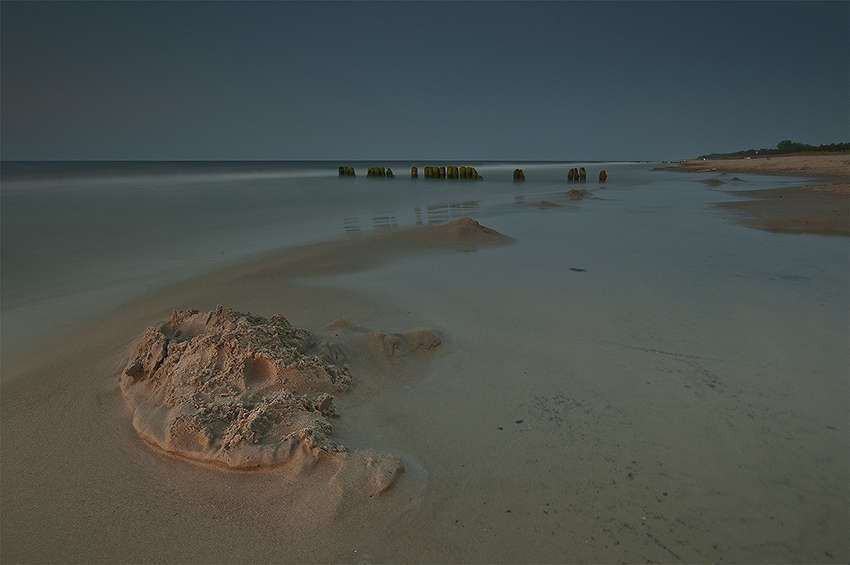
{"x":469,"y":230}
{"x":244,"y":392}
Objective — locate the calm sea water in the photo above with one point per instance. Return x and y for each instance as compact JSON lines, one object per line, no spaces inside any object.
{"x":85,"y":232}
{"x":671,"y":357}
{"x":78,"y":237}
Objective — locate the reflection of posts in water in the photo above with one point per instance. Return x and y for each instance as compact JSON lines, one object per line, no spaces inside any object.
{"x":433,"y":215}
{"x":443,"y":214}
{"x":384,"y":222}
{"x":351,"y":225}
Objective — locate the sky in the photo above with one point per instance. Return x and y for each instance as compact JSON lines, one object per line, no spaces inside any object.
{"x":419,"y":80}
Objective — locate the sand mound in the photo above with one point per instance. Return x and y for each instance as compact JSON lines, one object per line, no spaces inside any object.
{"x":467,"y":229}
{"x":380,"y":345}
{"x":541,"y":204}
{"x":245,"y":392}
{"x":712,"y":182}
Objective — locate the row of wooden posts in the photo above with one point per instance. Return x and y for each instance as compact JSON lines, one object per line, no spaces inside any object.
{"x":468,"y":173}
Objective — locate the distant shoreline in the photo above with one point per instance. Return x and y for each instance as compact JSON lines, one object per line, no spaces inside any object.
{"x":837,"y":165}
{"x":821,"y":209}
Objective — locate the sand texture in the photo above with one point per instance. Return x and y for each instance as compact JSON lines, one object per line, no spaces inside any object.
{"x":818,"y":209}
{"x":467,"y":234}
{"x":232,"y":388}
{"x":616,"y":400}
{"x":822,"y":210}
{"x":242,"y":391}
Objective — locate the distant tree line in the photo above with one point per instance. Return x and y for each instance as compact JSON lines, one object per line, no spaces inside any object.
{"x":784,"y":147}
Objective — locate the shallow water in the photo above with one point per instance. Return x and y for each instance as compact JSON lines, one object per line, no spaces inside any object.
{"x":633,"y":379}
{"x":79,"y":237}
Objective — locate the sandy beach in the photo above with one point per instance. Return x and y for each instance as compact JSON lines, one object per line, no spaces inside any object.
{"x":413,"y":282}
{"x":112,"y":483}
{"x":559,"y":381}
{"x":837,"y":165}
{"x":822,"y":209}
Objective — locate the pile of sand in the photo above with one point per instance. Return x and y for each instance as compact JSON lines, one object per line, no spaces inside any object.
{"x":465,"y":234}
{"x":246,"y":392}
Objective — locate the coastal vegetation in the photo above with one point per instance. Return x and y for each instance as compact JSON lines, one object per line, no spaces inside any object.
{"x":784,"y":147}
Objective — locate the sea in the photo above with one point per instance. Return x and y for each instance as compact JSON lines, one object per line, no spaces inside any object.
{"x":635,"y":366}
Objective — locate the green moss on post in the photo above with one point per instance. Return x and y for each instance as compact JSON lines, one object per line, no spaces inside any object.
{"x":582,"y":174}
{"x":603,"y":176}
{"x":519,"y":176}
{"x":414,"y":173}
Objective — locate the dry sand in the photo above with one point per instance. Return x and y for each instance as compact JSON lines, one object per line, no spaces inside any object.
{"x":837,"y":165}
{"x":820,"y":209}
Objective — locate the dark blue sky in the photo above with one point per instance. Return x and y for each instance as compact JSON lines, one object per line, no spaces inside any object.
{"x":411,"y":80}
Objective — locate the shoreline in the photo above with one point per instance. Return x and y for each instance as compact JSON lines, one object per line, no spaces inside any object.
{"x":837,"y":165}
{"x":813,"y":209}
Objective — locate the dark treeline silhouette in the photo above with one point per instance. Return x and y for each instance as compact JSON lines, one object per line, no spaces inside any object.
{"x":784,"y":147}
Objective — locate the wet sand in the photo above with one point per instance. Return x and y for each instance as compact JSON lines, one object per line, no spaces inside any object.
{"x":79,"y":485}
{"x":822,"y":209}
{"x":588,"y":429}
